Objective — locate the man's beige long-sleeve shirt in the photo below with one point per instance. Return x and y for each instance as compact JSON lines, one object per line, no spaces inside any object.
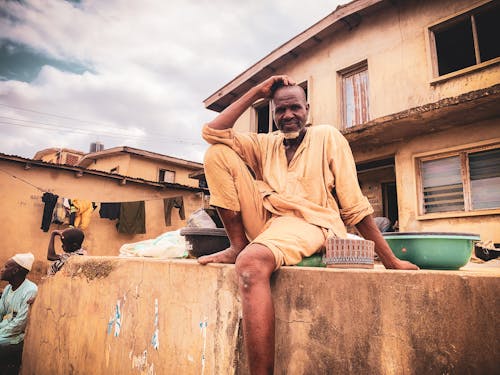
{"x":322,"y":164}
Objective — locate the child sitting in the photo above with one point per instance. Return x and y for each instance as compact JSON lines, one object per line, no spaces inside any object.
{"x":72,"y":240}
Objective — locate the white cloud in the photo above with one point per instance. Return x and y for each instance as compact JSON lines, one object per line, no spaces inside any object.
{"x":151,"y":65}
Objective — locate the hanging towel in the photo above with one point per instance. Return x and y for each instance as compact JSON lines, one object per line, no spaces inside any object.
{"x":60,"y":216}
{"x":168,"y":204}
{"x":50,"y":201}
{"x":110,"y":211}
{"x":132,"y":218}
{"x":83,"y":213}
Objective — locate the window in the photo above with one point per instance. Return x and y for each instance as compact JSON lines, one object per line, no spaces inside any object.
{"x":468,"y":39}
{"x":166,"y":176}
{"x":355,"y":108}
{"x":263,"y":116}
{"x":464,"y":181}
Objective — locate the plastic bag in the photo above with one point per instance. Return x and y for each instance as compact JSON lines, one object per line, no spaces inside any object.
{"x":167,"y":245}
{"x":200,"y":219}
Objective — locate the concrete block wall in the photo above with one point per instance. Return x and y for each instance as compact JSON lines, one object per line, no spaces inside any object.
{"x":99,"y":315}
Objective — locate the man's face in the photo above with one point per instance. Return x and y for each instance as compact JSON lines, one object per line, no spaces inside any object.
{"x":9,"y":269}
{"x":290,"y":109}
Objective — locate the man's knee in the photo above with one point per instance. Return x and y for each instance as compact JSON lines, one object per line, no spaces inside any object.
{"x":254,"y":264}
{"x":218,"y":152}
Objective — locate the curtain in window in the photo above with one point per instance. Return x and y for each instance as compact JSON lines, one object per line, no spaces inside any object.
{"x":442,"y":185}
{"x":485,"y":179}
{"x":356,"y":98}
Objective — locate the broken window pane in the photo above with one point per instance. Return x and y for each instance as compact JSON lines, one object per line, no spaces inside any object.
{"x":455,"y":47}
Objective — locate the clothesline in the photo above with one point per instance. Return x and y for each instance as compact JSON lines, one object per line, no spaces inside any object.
{"x":95,"y":201}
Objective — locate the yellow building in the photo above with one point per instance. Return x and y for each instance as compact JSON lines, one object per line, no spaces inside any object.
{"x":59,"y":155}
{"x":414,"y":86}
{"x":143,"y":164}
{"x":23,"y":183}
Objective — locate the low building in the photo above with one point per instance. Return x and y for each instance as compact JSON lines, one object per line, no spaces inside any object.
{"x":24,"y":181}
{"x":144,"y":164}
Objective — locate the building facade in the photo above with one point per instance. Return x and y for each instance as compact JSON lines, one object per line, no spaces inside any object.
{"x":23,"y":183}
{"x":415,"y":88}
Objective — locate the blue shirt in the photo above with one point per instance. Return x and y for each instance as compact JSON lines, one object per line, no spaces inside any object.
{"x":14,"y":312}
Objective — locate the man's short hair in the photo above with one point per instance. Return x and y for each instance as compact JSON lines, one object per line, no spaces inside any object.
{"x":279,"y":84}
{"x":73,"y":239}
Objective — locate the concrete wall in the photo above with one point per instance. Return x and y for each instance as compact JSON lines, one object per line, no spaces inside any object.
{"x":21,"y":210}
{"x":122,"y":161}
{"x":328,"y":321}
{"x":147,"y":169}
{"x":488,"y":226}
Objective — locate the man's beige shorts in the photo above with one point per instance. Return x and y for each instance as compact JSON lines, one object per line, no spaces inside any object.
{"x":233,"y":187}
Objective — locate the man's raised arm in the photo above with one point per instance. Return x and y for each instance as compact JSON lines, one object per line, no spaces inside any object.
{"x":228,"y":117}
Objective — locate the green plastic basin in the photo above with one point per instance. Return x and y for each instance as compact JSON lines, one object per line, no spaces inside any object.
{"x":433,"y":250}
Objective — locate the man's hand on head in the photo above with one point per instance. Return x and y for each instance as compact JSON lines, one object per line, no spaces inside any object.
{"x":270,"y":85}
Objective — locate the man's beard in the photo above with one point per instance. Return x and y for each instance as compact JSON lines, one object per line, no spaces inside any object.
{"x":291,"y":135}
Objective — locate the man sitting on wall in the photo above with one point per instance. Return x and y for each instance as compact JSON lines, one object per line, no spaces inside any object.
{"x":14,"y":306}
{"x":305,"y":188}
{"x":72,"y":240}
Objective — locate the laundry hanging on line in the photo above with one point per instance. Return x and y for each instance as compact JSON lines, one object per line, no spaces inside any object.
{"x":174,"y":202}
{"x":50,"y":201}
{"x":110,"y":211}
{"x":132,"y":218}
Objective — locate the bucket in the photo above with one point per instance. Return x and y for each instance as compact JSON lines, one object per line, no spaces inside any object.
{"x":349,"y":253}
{"x":204,"y":241}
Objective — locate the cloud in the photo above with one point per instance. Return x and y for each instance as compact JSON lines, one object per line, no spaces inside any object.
{"x":144,"y":68}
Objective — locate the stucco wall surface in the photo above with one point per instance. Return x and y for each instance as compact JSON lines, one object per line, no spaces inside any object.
{"x":460,"y":138}
{"x":396,"y":46}
{"x":328,"y":320}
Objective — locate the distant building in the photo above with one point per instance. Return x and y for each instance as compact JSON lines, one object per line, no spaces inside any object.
{"x":415,"y":88}
{"x":59,"y":155}
{"x":143,"y":164}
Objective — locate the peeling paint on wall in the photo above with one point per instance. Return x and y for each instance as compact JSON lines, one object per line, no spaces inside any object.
{"x":116,"y":320}
{"x":203,"y":328}
{"x":155,"y":340}
{"x":140,"y":362}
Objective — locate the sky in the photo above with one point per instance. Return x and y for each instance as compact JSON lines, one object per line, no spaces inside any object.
{"x":130,"y":73}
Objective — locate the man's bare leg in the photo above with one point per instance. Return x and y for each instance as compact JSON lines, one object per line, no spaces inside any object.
{"x":254,"y":267}
{"x":233,"y":223}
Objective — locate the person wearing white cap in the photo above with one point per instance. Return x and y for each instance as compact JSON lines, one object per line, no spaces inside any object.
{"x":14,"y":307}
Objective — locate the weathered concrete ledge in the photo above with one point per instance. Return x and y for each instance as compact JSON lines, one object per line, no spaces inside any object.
{"x":98,"y":316}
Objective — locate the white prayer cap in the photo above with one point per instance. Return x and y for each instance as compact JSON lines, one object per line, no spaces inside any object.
{"x":25,"y":260}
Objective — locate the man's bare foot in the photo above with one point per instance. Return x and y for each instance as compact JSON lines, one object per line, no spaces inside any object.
{"x":225,"y":256}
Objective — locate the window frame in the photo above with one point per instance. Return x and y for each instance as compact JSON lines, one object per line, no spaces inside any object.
{"x":463,"y":153}
{"x":166,"y":170}
{"x":443,"y":24}
{"x":345,"y":73}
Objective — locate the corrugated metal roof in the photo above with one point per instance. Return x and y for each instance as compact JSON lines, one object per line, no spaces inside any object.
{"x":114,"y":176}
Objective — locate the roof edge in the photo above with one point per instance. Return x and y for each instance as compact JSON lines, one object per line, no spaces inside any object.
{"x":83,"y":170}
{"x":87,"y":159}
{"x":340,"y":12}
